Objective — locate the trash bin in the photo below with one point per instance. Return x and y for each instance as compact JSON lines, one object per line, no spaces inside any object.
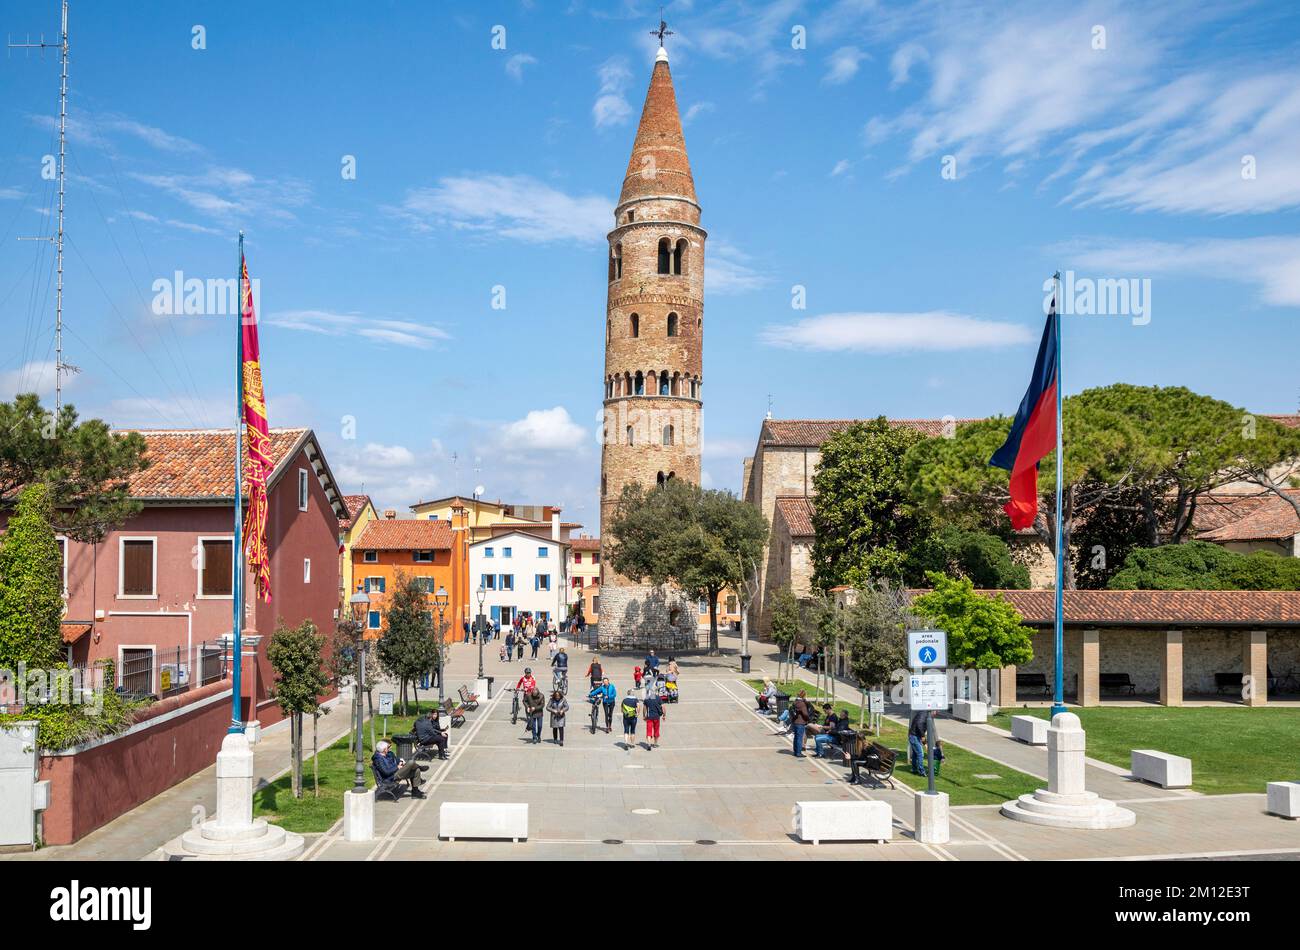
{"x":490,"y":679}
{"x":404,"y":745}
{"x":782,"y":700}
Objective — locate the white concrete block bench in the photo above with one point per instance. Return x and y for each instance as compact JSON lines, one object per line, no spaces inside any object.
{"x":968,"y":710}
{"x":1029,"y":729}
{"x":1161,"y":768}
{"x":843,"y":821}
{"x":1284,"y":799}
{"x":483,"y":820}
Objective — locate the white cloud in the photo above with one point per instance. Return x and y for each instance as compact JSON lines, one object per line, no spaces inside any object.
{"x":901,"y":63}
{"x":515,"y":65}
{"x":387,"y":456}
{"x":35,"y":376}
{"x":398,"y":332}
{"x":10,"y":194}
{"x":842,"y":65}
{"x":229,"y":193}
{"x":611,"y":106}
{"x":93,"y":131}
{"x":728,"y":271}
{"x":1270,"y":264}
{"x":895,"y":332}
{"x":697,"y":110}
{"x":512,"y":206}
{"x":841,"y":167}
{"x":543,"y":430}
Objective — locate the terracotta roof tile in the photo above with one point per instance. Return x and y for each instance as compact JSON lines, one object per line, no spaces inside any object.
{"x":585,"y":544}
{"x":1291,"y":420}
{"x":1270,"y":519}
{"x":1162,"y":608}
{"x":405,"y":534}
{"x":813,"y":432}
{"x":797,"y":511}
{"x":197,"y":463}
{"x":354,"y":504}
{"x":1216,"y":509}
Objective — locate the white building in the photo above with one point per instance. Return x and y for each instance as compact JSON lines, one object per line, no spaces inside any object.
{"x":519,"y":573}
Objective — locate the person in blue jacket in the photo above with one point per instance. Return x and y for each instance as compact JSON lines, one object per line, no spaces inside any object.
{"x":607,"y":694}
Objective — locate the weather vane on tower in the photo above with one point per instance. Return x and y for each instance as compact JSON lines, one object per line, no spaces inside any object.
{"x":663,"y":29}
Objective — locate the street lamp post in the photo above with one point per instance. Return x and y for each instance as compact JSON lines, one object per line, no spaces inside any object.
{"x":482,"y":595}
{"x":360,"y":604}
{"x":440,"y":599}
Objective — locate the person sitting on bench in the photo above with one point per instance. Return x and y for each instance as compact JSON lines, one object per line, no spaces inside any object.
{"x":430,"y":734}
{"x":767,"y":695}
{"x":390,"y":770}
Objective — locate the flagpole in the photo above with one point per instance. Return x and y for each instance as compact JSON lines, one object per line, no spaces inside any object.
{"x":1058,"y":703}
{"x":237,"y":554}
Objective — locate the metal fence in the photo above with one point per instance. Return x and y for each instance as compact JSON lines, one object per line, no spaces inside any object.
{"x":632,"y":641}
{"x":158,"y":672}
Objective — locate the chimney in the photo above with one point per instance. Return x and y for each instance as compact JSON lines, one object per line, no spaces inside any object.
{"x":390,"y":513}
{"x":555,"y":524}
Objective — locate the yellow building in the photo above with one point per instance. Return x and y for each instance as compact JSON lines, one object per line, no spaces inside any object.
{"x":584,"y":575}
{"x":361,"y":511}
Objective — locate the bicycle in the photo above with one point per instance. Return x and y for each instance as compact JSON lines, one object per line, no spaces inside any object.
{"x":560,"y":682}
{"x":514,"y":706}
{"x":595,"y":712}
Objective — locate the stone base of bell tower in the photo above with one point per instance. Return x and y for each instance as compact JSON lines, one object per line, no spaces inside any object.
{"x":641,"y":616}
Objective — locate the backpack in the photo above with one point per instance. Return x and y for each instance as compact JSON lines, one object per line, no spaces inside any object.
{"x":629,"y":710}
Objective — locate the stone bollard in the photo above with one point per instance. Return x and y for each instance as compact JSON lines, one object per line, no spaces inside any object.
{"x":932,"y":817}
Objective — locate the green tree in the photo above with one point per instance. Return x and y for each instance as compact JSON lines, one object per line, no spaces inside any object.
{"x":784,"y":607}
{"x":680,"y":534}
{"x":960,"y":552}
{"x":85,"y":465}
{"x":875,"y":634}
{"x":1200,"y":565}
{"x":865,"y":518}
{"x":407,"y":648}
{"x":31,"y":585}
{"x":297,"y":654}
{"x":984,"y":633}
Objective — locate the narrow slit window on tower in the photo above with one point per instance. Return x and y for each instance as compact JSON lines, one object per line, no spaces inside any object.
{"x":679,"y":257}
{"x":634,"y":325}
{"x":668,"y":435}
{"x":629,"y":436}
{"x":604,"y":486}
{"x":672,"y":324}
{"x":631,"y":216}
{"x":665,"y":255}
{"x":639,"y":386}
{"x":663,"y":385}
{"x":618,"y":261}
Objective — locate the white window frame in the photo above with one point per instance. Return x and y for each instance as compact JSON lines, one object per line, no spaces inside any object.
{"x":501,"y":582}
{"x":306,"y":570}
{"x":370,"y":611}
{"x":369,"y":557}
{"x":198,"y":567}
{"x":537,"y":583}
{"x":304,"y":490}
{"x":366,"y":588}
{"x":121,"y":568}
{"x":153,"y":666}
{"x":67,"y":554}
{"x":416,"y":557}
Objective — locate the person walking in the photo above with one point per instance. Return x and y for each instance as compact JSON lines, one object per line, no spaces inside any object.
{"x":606,"y":693}
{"x":651,"y":663}
{"x":800,"y":716}
{"x":558,"y":708}
{"x":630,"y":708}
{"x":510,"y":645}
{"x":920,"y":724}
{"x":594,"y":672}
{"x":535,"y":642}
{"x":654,"y":714}
{"x":534,"y":706}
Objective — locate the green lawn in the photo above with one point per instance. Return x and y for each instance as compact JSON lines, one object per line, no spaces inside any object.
{"x":958,"y":774}
{"x":275,"y":802}
{"x":1233,"y":749}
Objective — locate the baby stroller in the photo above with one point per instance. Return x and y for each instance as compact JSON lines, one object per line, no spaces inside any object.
{"x":670,"y":692}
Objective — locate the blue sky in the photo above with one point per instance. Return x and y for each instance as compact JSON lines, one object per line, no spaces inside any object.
{"x":918,"y":169}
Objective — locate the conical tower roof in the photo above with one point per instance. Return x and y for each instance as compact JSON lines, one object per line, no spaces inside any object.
{"x":659,"y":165}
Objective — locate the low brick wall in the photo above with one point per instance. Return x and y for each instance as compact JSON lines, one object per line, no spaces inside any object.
{"x":92,"y":784}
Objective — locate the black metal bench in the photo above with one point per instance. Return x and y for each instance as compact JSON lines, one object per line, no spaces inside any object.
{"x":1116,"y":683}
{"x":1033,"y":683}
{"x":876,"y":760}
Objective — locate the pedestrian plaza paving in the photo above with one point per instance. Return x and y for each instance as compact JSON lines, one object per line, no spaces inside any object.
{"x":723,"y":783}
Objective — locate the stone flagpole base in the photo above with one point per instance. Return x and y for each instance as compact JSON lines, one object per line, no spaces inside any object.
{"x":234,"y":835}
{"x":1065,"y":803}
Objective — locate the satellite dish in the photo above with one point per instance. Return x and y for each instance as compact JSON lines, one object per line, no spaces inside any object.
{"x":478,"y":489}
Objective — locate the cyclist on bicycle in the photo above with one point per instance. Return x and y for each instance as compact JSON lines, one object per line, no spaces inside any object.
{"x":594,"y":672}
{"x":560,"y":668}
{"x":526,"y":682}
{"x":607,"y":696}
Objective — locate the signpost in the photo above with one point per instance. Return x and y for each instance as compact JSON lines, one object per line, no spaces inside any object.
{"x":928,"y":650}
{"x":385,"y":708}
{"x":876,"y":707}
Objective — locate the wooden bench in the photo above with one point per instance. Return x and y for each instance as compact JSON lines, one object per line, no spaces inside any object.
{"x":1033,"y":682}
{"x":1116,"y":683}
{"x":875,"y":760}
{"x":455,"y":712}
{"x":467,"y":699}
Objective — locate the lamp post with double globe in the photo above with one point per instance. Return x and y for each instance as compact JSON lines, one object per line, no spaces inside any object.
{"x":360,"y":604}
{"x":482,"y":596}
{"x":440,"y":600}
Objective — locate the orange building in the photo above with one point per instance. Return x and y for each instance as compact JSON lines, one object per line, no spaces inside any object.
{"x":389,"y":547}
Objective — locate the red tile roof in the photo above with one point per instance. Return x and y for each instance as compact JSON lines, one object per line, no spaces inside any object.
{"x":74,"y":630}
{"x":1270,"y":519}
{"x":404,"y":534}
{"x":585,"y":544}
{"x":1159,"y":608}
{"x":1216,"y":509}
{"x":354,"y":504}
{"x":198,"y":463}
{"x":1291,"y":420}
{"x":813,"y":432}
{"x":797,"y":511}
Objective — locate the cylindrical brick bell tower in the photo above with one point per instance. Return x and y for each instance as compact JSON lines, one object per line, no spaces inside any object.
{"x":654,"y":332}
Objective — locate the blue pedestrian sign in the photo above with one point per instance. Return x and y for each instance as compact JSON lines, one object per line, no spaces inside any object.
{"x":927,"y":649}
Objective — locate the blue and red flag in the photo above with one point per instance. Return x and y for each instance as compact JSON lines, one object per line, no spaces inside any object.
{"x":1033,"y":434}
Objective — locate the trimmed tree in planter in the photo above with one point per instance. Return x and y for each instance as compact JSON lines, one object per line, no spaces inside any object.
{"x":297,"y":656}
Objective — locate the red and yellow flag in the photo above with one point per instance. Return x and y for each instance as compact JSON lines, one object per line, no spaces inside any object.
{"x":257,"y":464}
